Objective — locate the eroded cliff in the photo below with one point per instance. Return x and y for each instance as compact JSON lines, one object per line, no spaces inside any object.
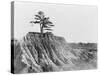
{"x":43,"y":53}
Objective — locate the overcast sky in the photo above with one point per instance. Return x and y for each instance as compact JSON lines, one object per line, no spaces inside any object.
{"x":76,"y":23}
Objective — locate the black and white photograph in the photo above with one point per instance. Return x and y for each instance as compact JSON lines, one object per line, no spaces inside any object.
{"x":50,"y":37}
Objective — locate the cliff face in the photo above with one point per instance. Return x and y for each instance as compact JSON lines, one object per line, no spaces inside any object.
{"x":42,"y":53}
{"x":47,"y":52}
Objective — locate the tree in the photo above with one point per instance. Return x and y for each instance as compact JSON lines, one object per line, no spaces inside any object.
{"x":43,"y":21}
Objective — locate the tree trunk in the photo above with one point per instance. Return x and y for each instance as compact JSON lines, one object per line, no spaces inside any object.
{"x":41,"y":30}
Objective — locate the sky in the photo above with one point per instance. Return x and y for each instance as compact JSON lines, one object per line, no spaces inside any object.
{"x":76,"y":23}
